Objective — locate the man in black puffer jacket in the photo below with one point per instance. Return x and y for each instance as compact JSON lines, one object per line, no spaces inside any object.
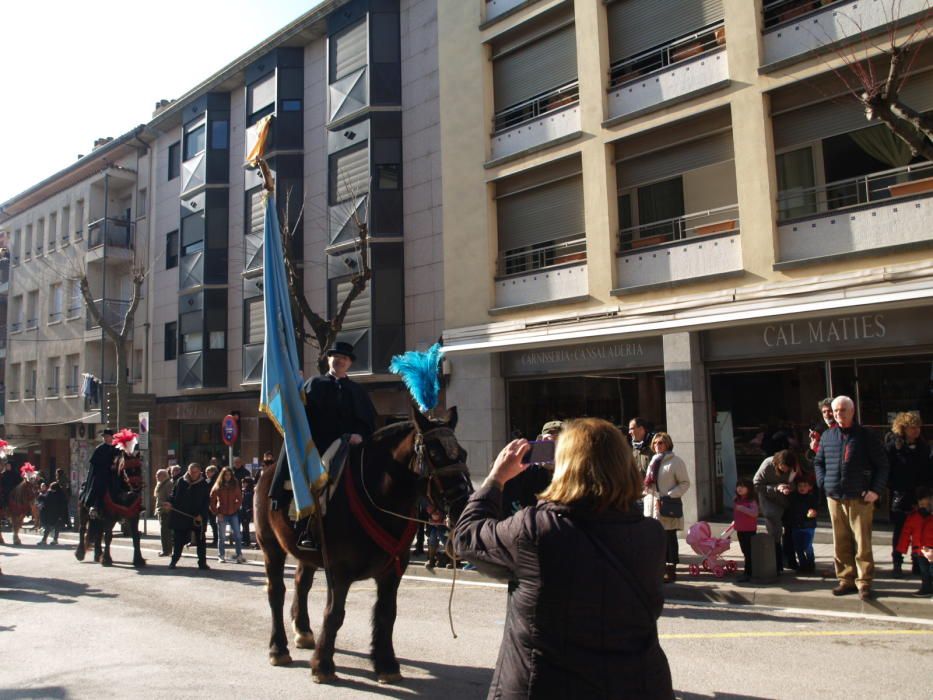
{"x":852,"y":468}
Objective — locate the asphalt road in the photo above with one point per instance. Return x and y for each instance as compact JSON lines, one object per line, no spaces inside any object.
{"x":77,"y":630}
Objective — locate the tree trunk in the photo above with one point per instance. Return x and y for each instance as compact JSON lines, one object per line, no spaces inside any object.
{"x":122,"y":387}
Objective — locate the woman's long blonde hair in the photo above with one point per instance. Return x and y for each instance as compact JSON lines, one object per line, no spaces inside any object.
{"x":593,"y":466}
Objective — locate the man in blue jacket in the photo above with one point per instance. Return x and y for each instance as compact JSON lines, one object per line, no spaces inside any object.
{"x":852,"y":468}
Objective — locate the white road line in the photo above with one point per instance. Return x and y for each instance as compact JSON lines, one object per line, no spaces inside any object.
{"x":810,"y":612}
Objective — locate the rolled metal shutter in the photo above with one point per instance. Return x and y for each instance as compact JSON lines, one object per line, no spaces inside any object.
{"x":535,"y":68}
{"x":639,"y":25}
{"x":549,"y":212}
{"x":681,"y":158}
{"x":358,"y":314}
{"x":351,"y":174}
{"x":843,"y":114}
{"x":256,"y":212}
{"x":256,"y":320}
{"x":349,"y":53}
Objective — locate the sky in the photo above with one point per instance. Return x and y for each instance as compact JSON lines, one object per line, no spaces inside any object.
{"x":72,"y":71}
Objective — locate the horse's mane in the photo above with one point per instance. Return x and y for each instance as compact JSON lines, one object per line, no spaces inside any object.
{"x":393,"y":433}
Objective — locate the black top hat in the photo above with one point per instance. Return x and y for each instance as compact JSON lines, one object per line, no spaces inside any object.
{"x":342,"y":348}
{"x":109,"y":432}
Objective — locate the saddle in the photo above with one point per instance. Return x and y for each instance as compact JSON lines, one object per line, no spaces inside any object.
{"x":334,"y":461}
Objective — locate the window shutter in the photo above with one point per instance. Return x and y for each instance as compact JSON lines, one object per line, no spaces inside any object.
{"x":358,"y":315}
{"x":549,"y":212}
{"x":639,"y":25}
{"x":669,"y":162}
{"x":843,"y":114}
{"x":256,"y":321}
{"x":349,"y":53}
{"x":351,"y":174}
{"x":256,"y":212}
{"x":535,"y":68}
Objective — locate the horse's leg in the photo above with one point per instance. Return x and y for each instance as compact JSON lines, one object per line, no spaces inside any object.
{"x":304,"y":577}
{"x":322,"y":661}
{"x":274,"y":558}
{"x":384,"y":613}
{"x":138,"y":560}
{"x":82,"y":535}
{"x":105,"y":559}
{"x":17,"y":521}
{"x":1,"y":529}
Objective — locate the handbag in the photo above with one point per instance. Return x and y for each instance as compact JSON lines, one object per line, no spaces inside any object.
{"x":671,"y":507}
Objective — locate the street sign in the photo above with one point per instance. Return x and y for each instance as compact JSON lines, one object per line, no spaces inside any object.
{"x":229,"y":430}
{"x":143,"y":441}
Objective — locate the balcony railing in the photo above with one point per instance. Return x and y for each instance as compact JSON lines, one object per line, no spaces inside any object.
{"x":701,"y":223}
{"x":112,"y":310}
{"x":65,"y":239}
{"x":29,"y":393}
{"x":885,"y":185}
{"x":12,"y":395}
{"x":536,"y":107}
{"x":55,"y":316}
{"x":778,"y":11}
{"x":16,"y":326}
{"x":110,"y":233}
{"x":684,"y":48}
{"x":32,"y":323}
{"x":71,"y":390}
{"x":73,"y":312}
{"x":542,"y":256}
{"x":53,"y":392}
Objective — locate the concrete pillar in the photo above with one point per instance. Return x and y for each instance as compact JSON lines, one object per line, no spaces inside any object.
{"x":688,"y":419}
{"x":478,"y":391}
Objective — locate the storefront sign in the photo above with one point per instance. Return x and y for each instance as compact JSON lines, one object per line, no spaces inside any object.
{"x":821,"y":335}
{"x":585,"y":357}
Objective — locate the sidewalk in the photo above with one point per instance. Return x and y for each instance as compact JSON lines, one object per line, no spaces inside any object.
{"x":808,"y":591}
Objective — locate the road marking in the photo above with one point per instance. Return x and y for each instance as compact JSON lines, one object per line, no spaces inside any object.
{"x":809,"y":612}
{"x":812,"y":633}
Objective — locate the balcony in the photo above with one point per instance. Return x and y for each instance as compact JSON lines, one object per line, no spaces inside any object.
{"x":859,"y":216}
{"x":113,"y":312}
{"x":110,"y":239}
{"x":795,"y":29}
{"x":686,"y":68}
{"x":252,"y":363}
{"x":542,"y":274}
{"x":689,"y":248}
{"x":545,"y":120}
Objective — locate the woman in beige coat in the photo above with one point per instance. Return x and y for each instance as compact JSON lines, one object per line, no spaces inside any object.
{"x":665,"y":483}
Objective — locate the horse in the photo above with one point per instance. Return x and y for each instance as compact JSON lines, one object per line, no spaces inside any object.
{"x":367,"y":535}
{"x":122,"y":501}
{"x":19,"y":503}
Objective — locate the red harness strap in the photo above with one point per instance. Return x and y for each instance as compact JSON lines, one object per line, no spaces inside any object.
{"x":383,"y":539}
{"x":118,"y":511}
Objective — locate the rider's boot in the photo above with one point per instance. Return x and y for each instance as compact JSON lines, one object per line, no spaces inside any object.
{"x":308,"y":540}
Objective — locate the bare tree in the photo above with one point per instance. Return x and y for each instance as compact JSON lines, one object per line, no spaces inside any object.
{"x":878,"y":81}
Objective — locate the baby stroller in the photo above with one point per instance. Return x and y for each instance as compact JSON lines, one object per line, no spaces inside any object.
{"x":700,"y":538}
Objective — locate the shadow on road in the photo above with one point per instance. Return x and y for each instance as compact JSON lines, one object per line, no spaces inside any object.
{"x":684,"y":609}
{"x":190,"y":569}
{"x":30,"y":589}
{"x":49,"y":691}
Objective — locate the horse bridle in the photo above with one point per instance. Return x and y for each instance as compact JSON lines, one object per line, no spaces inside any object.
{"x":424,"y":467}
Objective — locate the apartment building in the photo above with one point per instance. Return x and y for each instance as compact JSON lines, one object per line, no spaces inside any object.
{"x":89,"y":220}
{"x":676,"y":210}
{"x":353,"y":89}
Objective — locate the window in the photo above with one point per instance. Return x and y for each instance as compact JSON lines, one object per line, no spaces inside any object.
{"x":349,"y":174}
{"x":195,"y":137}
{"x":12,"y":393}
{"x":171,"y":250}
{"x":53,"y":230}
{"x":17,"y":245}
{"x":72,"y":362}
{"x":137,"y":365}
{"x":192,"y":342}
{"x":171,"y":340}
{"x":53,"y":376}
{"x":291,"y":105}
{"x":142,"y":203}
{"x":79,"y":219}
{"x":348,"y":51}
{"x":16,"y":314}
{"x":795,"y":184}
{"x":27,"y":254}
{"x":55,"y":303}
{"x":29,"y":391}
{"x":66,"y":225}
{"x":254,"y":320}
{"x":40,"y":236}
{"x":217,"y":340}
{"x":174,"y":160}
{"x":388,"y":177}
{"x":75,"y":299}
{"x":220,"y":134}
{"x":260,"y":98}
{"x":660,"y":202}
{"x":32,"y":309}
{"x":192,"y":234}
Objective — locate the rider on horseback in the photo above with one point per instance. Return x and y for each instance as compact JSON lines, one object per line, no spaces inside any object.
{"x":336,"y":406}
{"x":100,"y":476}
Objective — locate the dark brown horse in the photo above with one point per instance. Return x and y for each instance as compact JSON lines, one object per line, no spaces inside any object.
{"x":364,"y":537}
{"x":19,"y":504}
{"x":122,"y":502}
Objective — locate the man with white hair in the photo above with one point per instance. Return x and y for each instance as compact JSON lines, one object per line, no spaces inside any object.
{"x":852,"y":468}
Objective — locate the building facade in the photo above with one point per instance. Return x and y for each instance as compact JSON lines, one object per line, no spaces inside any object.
{"x":676,"y":211}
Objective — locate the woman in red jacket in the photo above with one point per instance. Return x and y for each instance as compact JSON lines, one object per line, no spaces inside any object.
{"x":918,"y":532}
{"x":225,"y":504}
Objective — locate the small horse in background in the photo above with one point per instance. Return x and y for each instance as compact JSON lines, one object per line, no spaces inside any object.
{"x":19,"y":504}
{"x":368,"y":534}
{"x":123,"y":501}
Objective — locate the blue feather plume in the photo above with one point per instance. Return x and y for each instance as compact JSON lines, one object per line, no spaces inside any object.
{"x":421,"y":373}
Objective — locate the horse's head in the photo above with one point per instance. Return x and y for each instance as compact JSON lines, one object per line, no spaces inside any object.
{"x":130,"y":470}
{"x":441,"y":460}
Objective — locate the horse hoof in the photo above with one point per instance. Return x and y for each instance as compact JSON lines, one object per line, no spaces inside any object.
{"x":17,"y":542}
{"x":139,"y":563}
{"x":324,"y":678}
{"x":387,"y":678}
{"x":79,"y":554}
{"x":280,"y":660}
{"x":106,"y":562}
{"x":304,"y":640}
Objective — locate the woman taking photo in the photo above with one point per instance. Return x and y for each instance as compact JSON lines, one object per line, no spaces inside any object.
{"x":665,"y":484}
{"x":582,"y":619}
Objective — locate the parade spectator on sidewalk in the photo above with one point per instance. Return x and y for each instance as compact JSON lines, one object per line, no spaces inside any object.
{"x":917,"y":533}
{"x":911,"y":468}
{"x":802,"y":514}
{"x":564,"y":636}
{"x":190,"y":506}
{"x":210,"y":475}
{"x":745,"y":522}
{"x":240,"y":471}
{"x":61,"y":478}
{"x":666,"y":482}
{"x":175,"y":472}
{"x":852,"y":468}
{"x":226,"y":499}
{"x":641,"y":443}
{"x":826,"y":410}
{"x":774,"y":483}
{"x":161,"y":494}
{"x":246,"y":508}
{"x":52,"y":509}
